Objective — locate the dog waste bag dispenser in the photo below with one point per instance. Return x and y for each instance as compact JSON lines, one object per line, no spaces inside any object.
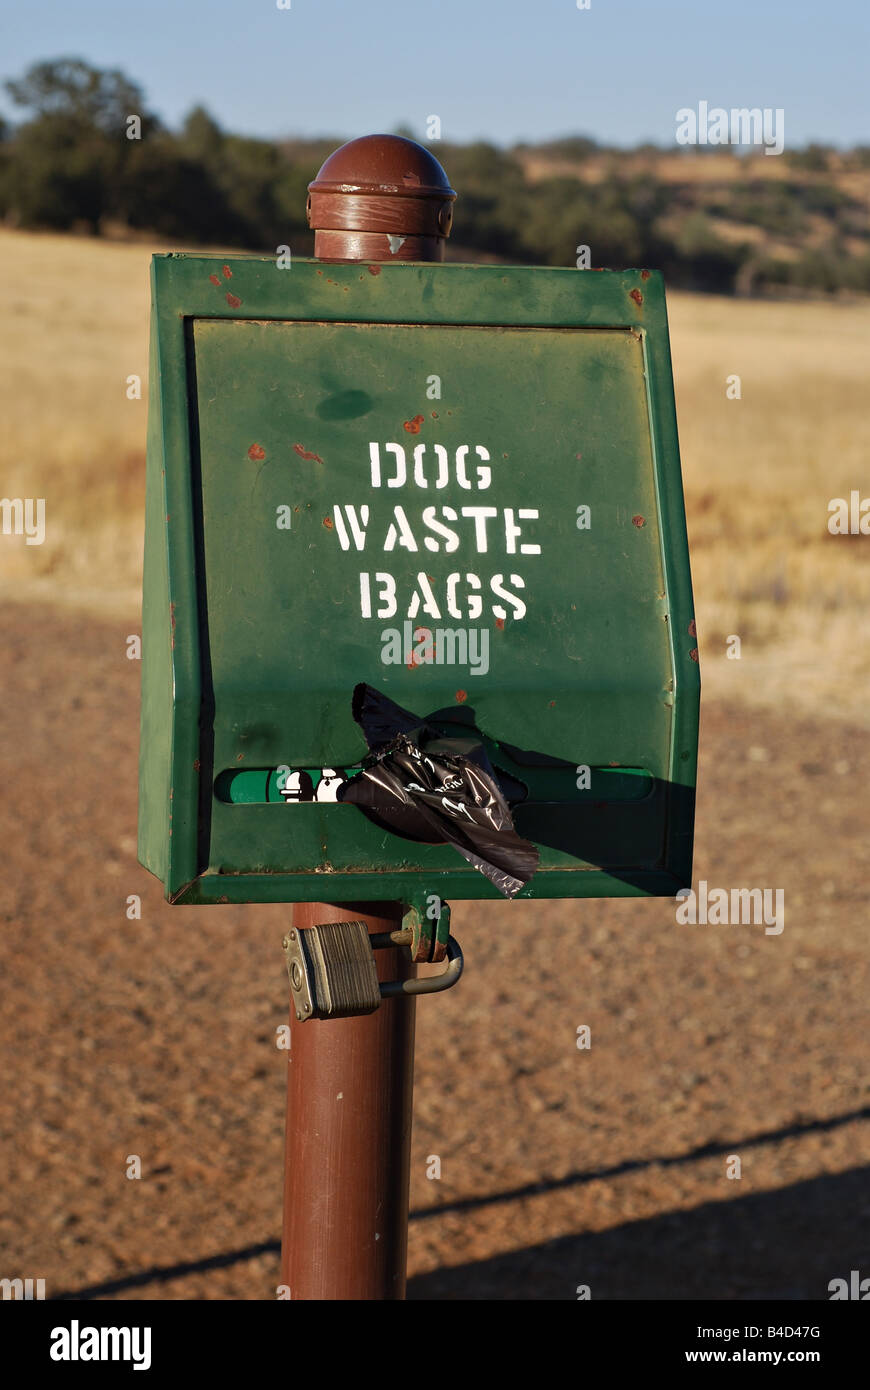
{"x":456,"y":485}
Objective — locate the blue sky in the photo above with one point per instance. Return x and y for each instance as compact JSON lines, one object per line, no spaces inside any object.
{"x":502,"y":70}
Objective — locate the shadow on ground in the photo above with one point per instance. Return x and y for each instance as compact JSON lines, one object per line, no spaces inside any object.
{"x":641,"y":1259}
{"x":728,"y":1249}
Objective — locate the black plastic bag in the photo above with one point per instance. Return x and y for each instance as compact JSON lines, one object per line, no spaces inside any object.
{"x":442,"y":790}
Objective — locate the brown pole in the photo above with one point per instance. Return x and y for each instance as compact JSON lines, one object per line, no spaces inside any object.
{"x":347,"y":1171}
{"x":350,"y":1081}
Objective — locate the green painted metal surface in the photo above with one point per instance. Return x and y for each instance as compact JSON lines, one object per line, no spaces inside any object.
{"x":459,"y":484}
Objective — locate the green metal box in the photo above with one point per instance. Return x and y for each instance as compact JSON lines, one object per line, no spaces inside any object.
{"x":459,"y":484}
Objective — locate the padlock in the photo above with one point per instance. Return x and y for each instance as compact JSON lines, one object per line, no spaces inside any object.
{"x":333,"y":973}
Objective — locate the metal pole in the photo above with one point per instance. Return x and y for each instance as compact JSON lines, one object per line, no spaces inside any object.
{"x":350,"y":1081}
{"x":347,"y":1169}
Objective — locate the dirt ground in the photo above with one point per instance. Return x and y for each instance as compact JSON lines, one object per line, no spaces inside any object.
{"x":605,"y":1167}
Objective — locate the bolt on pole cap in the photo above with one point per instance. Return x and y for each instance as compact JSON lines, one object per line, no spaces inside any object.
{"x":380,"y":198}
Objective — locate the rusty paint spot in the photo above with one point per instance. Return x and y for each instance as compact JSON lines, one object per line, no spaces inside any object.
{"x":645,"y":274}
{"x":228,"y":274}
{"x":499,"y":622}
{"x":694,"y":653}
{"x":692,"y":629}
{"x":327,"y":521}
{"x":612,"y":764}
{"x":172,"y":616}
{"x":239,"y":757}
{"x":374,"y":270}
{"x":461,"y":696}
{"x":578,"y":456}
{"x":215,"y":281}
{"x":234,"y":301}
{"x":636,"y":296}
{"x":434,"y":414}
{"x":223,"y":898}
{"x":303,"y":453}
{"x":413,"y":426}
{"x":638,"y":521}
{"x":256,"y":452}
{"x":552,"y":704}
{"x":196,"y":764}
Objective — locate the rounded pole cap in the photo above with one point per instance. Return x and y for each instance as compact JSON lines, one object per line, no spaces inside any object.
{"x":380,"y":197}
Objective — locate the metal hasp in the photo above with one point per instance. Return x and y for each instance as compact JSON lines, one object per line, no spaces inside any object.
{"x":333,"y":974}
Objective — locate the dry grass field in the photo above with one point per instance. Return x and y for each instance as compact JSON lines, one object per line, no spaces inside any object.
{"x":559,"y":1167}
{"x":759,"y":471}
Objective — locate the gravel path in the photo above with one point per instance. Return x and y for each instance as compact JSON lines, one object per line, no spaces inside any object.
{"x":604,"y":1167}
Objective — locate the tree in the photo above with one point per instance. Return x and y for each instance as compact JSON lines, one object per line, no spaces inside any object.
{"x":67,"y":164}
{"x":201,"y":136}
{"x":71,"y":89}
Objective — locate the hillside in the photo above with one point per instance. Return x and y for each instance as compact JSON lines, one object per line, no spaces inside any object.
{"x":712,"y":219}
